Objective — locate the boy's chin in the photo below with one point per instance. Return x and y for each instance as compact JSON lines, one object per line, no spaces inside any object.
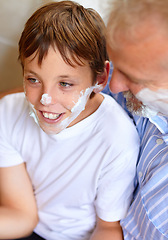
{"x":51,"y":130}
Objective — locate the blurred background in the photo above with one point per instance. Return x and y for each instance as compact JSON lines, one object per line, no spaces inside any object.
{"x":13,"y":15}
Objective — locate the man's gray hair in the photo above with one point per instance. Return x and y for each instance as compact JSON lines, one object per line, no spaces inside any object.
{"x":127,"y":15}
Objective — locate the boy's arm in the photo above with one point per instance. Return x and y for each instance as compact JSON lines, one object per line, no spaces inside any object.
{"x":107,"y":231}
{"x":18,"y":212}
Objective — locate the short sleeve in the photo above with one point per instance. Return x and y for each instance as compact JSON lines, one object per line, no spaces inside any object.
{"x":9,"y":156}
{"x":116,"y":187}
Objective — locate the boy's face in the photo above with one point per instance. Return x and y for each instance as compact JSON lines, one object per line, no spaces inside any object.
{"x":57,"y":91}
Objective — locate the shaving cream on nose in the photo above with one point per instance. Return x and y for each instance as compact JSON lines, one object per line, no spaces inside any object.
{"x":45,"y":99}
{"x":155,"y":100}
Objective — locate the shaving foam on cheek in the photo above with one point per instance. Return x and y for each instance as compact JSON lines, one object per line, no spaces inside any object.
{"x":79,"y":106}
{"x":98,"y":87}
{"x":45,"y":99}
{"x":155,"y":100}
{"x":32,"y":113}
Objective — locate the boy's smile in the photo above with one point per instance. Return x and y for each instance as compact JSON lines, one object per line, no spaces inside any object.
{"x":51,"y":117}
{"x":57,"y":91}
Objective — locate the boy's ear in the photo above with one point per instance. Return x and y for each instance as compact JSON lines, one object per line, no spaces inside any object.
{"x":102,"y":78}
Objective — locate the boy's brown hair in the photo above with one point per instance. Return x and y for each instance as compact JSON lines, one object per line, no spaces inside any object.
{"x":78,"y":34}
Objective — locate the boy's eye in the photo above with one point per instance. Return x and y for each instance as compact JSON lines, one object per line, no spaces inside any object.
{"x":33,"y":80}
{"x":65,"y":84}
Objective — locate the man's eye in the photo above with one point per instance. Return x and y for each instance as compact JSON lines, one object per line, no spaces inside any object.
{"x":33,"y":80}
{"x":65,"y":84}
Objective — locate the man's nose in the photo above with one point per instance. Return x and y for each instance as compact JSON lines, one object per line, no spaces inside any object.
{"x":118,"y":82}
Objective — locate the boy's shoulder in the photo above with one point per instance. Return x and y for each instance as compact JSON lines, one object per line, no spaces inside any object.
{"x":12,"y":97}
{"x":113,"y":109}
{"x":115,"y":121}
{"x":13,"y":107}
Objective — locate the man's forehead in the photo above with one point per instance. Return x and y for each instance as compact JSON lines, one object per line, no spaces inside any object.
{"x":140,"y":32}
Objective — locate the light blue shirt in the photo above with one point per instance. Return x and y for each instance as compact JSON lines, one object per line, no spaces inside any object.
{"x":147,"y":216}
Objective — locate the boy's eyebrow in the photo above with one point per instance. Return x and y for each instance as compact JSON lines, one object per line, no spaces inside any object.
{"x":71,"y":77}
{"x":64,"y":76}
{"x":29,"y":71}
{"x":59,"y":77}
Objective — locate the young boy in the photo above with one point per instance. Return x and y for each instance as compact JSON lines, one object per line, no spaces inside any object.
{"x":78,"y":145}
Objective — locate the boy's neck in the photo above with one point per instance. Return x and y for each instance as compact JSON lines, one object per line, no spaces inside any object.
{"x":92,"y":105}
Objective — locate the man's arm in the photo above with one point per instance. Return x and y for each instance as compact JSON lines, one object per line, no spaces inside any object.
{"x":107,"y":231}
{"x":18,"y":212}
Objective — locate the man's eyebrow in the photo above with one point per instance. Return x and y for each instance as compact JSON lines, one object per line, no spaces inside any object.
{"x":132,"y":78}
{"x":127,"y":75}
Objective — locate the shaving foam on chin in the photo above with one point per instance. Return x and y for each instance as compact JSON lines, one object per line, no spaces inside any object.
{"x":157,"y":101}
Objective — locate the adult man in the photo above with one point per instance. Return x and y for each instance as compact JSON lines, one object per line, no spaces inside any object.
{"x":138,"y":47}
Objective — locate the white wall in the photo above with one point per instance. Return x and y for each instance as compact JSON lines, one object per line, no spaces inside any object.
{"x":13,"y":15}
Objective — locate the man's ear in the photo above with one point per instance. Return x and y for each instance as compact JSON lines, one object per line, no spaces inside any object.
{"x":102,"y":78}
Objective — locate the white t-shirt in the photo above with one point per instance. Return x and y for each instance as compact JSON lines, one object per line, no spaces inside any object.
{"x":84,"y":170}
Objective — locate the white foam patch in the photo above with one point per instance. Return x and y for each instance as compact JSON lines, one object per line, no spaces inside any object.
{"x":46,"y":99}
{"x":157,"y":101}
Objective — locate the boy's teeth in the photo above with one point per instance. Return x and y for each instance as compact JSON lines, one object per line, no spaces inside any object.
{"x":50,"y":115}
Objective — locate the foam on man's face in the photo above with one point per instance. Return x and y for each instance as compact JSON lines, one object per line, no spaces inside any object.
{"x":156,"y":101}
{"x":136,"y":107}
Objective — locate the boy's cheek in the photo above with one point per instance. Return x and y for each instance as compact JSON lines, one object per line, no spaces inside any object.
{"x":32,"y":96}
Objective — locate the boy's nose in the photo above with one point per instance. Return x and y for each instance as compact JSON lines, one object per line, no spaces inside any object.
{"x":118,"y":82}
{"x":49,"y":95}
{"x":52,"y":102}
{"x":46,"y":99}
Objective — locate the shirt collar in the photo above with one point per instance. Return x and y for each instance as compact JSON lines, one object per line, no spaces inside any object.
{"x":161,"y":122}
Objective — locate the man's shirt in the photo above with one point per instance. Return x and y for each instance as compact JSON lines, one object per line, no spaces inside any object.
{"x":147,"y":217}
